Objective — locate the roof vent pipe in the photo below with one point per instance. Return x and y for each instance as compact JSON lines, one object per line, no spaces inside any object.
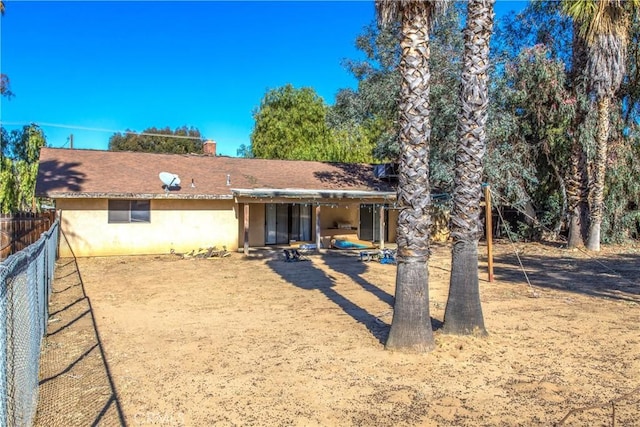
{"x":228,"y":179}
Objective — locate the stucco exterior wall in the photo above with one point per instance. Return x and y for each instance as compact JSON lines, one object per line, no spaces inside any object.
{"x":392,"y":225}
{"x":181,"y":225}
{"x":331,"y":217}
{"x":256,"y":225}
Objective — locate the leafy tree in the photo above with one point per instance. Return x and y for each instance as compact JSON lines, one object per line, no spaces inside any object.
{"x":622,"y":201}
{"x":4,"y":79}
{"x":291,"y":124}
{"x":19,"y":168}
{"x":542,"y":109}
{"x":411,"y":323}
{"x":294,"y":124}
{"x":245,"y":151}
{"x":373,"y":107}
{"x":463,"y":314}
{"x":5,"y":89}
{"x":183,"y":140}
{"x":540,"y":63}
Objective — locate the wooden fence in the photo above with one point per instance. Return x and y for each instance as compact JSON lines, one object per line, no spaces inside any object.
{"x":19,"y":230}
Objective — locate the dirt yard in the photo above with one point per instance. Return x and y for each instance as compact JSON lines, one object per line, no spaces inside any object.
{"x":258,"y":341}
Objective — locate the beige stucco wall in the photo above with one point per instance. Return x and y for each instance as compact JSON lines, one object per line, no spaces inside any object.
{"x":392,"y":224}
{"x":331,"y":216}
{"x":182,"y":225}
{"x":256,"y":225}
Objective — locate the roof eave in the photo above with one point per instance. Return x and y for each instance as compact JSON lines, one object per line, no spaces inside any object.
{"x":261,"y":193}
{"x":114,"y":195}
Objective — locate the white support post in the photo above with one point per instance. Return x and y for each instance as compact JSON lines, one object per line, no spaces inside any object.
{"x":382,"y":226}
{"x":245,"y":229}
{"x":318,"y":229}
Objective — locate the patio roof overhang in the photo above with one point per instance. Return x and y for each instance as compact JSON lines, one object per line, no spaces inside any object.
{"x":311,"y":196}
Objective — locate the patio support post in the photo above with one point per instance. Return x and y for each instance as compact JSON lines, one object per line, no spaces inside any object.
{"x":245,"y":229}
{"x":382,"y":225}
{"x":318,"y":229}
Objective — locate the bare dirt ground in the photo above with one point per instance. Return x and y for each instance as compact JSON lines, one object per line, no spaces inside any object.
{"x":258,"y":341}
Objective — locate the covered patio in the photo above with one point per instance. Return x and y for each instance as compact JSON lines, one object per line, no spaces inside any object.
{"x":291,"y":216}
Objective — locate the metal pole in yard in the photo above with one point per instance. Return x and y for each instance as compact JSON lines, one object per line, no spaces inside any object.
{"x":489,"y":230}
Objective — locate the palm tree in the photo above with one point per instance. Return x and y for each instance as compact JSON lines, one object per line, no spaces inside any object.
{"x":463,"y":314}
{"x":577,"y":180}
{"x":604,"y":25}
{"x":411,"y":324}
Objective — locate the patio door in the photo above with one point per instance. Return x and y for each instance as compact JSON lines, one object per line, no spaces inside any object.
{"x":285,"y":222}
{"x":370,"y":222}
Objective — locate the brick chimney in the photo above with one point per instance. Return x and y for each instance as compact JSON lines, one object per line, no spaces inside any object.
{"x":209,"y":147}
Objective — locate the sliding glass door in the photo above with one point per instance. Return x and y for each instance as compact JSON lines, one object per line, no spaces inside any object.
{"x":287,"y":221}
{"x":370,"y":222}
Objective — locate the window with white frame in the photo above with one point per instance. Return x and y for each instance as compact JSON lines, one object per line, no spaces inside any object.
{"x":129,"y":211}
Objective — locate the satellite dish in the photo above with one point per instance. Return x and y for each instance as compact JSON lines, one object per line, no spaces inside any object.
{"x":169,"y":180}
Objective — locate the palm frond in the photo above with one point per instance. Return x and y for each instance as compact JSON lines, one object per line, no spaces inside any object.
{"x":601,"y":17}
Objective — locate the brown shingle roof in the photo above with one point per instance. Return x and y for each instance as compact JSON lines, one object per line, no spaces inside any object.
{"x":94,"y":173}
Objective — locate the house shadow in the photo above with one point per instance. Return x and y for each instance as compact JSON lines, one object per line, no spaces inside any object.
{"x":615,"y":278}
{"x":76,"y":386}
{"x":306,"y":275}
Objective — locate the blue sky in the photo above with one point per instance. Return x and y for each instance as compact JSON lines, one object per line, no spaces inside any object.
{"x":98,"y":67}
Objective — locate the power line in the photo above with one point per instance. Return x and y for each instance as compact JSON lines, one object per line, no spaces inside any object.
{"x":130,"y":132}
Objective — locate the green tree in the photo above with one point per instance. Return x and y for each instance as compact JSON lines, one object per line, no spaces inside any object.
{"x":19,"y":168}
{"x":5,"y":89}
{"x":372,"y":109}
{"x":245,"y":151}
{"x":530,"y":138}
{"x":182,"y":140}
{"x":411,"y":324}
{"x":291,"y":124}
{"x":463,"y":313}
{"x":4,"y":79}
{"x":604,"y":25}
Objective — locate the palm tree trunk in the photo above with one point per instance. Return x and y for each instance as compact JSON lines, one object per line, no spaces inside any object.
{"x":578,"y":177}
{"x":577,"y":196}
{"x":463,"y":314}
{"x":597,"y":198}
{"x":411,"y":324}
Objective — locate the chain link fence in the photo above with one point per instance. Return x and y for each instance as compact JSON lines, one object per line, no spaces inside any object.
{"x":25,"y":287}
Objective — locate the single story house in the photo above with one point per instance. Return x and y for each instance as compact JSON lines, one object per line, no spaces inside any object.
{"x":114,"y":203}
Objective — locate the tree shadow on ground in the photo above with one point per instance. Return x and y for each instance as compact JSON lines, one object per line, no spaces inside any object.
{"x":615,"y":277}
{"x":76,"y":386}
{"x":350,"y":265}
{"x":305,"y":275}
